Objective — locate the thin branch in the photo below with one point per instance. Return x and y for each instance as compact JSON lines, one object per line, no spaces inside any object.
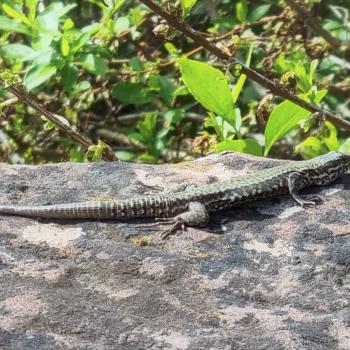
{"x":59,"y":121}
{"x":141,"y":115}
{"x":314,"y":23}
{"x":252,"y":74}
{"x":243,"y":26}
{"x":9,"y":102}
{"x":119,"y":137}
{"x":237,"y":30}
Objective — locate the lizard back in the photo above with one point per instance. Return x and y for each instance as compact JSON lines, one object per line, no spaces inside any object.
{"x":218,"y":196}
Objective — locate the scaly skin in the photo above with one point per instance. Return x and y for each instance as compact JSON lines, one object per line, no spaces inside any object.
{"x":192,"y":207}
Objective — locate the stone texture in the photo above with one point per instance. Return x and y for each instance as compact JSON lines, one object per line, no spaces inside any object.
{"x":268,"y":275}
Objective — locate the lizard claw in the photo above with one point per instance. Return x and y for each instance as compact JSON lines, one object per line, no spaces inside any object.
{"x":153,"y":224}
{"x":308,"y":204}
{"x":159,"y":222}
{"x":175,"y":222}
{"x":310,"y":201}
{"x":165,"y":220}
{"x":171,"y":230}
{"x":196,"y":215}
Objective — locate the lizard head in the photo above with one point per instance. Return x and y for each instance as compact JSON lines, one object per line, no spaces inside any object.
{"x":335,"y":157}
{"x":335,"y":163}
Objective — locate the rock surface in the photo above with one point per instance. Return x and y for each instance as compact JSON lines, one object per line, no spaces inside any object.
{"x":268,"y":275}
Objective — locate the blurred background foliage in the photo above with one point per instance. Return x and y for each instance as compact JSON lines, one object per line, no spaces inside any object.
{"x":118,"y":73}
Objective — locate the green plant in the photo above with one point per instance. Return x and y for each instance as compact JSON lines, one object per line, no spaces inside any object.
{"x":114,"y":70}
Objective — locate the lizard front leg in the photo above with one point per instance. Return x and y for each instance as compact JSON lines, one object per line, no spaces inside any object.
{"x":196,"y":215}
{"x":297,"y":181}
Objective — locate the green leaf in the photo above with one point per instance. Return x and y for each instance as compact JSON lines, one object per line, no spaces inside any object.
{"x":226,"y":129}
{"x":242,"y":78}
{"x":117,"y":5}
{"x":82,"y":86}
{"x":31,"y":5}
{"x":209,"y":86}
{"x":37,"y":75}
{"x":345,"y":146}
{"x":285,"y":117}
{"x":187,"y":6}
{"x":259,"y":12}
{"x":134,"y":136}
{"x":148,"y":127}
{"x":8,"y":78}
{"x":45,"y":57}
{"x":94,"y":64}
{"x":164,"y":86}
{"x":68,"y":24}
{"x":66,"y":9}
{"x":172,"y":50}
{"x":80,"y":41}
{"x":69,"y":76}
{"x":136,"y":64}
{"x":149,"y":136}
{"x":331,"y":140}
{"x":10,"y":11}
{"x":49,"y":125}
{"x":241,"y":10}
{"x":313,"y":67}
{"x":42,"y":41}
{"x":58,"y":8}
{"x":65,"y":48}
{"x":95,"y":152}
{"x":111,"y":5}
{"x":121,"y":25}
{"x":238,"y":120}
{"x":132,"y":93}
{"x":167,"y":89}
{"x":311,"y":147}
{"x":125,"y":155}
{"x":249,"y":146}
{"x":19,"y":52}
{"x":175,"y":116}
{"x":136,"y":15}
{"x":212,"y":121}
{"x":11,"y":25}
{"x":147,"y":158}
{"x":305,"y":79}
{"x":181,"y":91}
{"x":76,"y":154}
{"x":47,"y":22}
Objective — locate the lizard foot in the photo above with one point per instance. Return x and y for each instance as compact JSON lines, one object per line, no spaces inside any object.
{"x":178,"y":223}
{"x":308,"y":201}
{"x":297,"y":181}
{"x":196,"y":215}
{"x":158,"y":222}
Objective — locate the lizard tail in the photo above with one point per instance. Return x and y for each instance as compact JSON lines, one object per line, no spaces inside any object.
{"x":84,"y":210}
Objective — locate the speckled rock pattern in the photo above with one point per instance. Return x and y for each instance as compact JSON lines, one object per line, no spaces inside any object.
{"x":268,"y":275}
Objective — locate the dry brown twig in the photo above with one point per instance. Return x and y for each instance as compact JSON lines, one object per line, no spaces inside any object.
{"x":9,"y":102}
{"x":315,"y":24}
{"x":59,"y":121}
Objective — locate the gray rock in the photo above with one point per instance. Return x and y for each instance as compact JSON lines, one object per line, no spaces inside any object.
{"x":268,"y":275}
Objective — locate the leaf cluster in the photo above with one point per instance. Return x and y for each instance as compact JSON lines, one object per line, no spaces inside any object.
{"x":120,"y":74}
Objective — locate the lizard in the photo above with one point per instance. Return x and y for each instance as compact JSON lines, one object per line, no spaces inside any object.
{"x":192,"y":207}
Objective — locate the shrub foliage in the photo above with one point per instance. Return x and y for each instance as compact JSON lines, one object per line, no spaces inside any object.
{"x":136,"y":85}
